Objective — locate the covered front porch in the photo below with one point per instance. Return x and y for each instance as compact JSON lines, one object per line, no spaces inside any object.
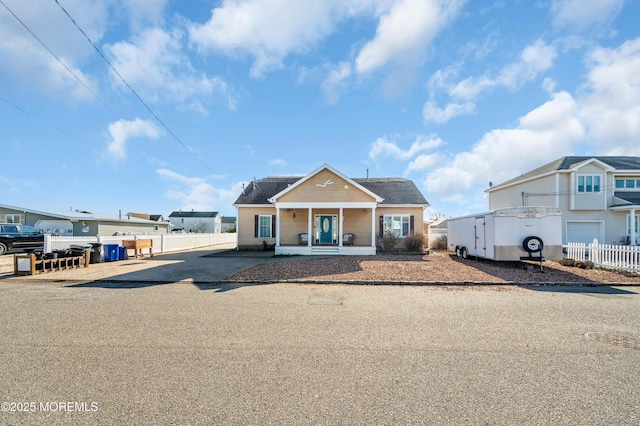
{"x":632,"y":222}
{"x":346,"y":228}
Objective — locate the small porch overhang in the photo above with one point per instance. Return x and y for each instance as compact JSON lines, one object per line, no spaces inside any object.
{"x":632,"y":209}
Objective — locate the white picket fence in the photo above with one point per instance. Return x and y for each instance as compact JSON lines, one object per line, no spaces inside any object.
{"x":614,"y":256}
{"x":162,"y":243}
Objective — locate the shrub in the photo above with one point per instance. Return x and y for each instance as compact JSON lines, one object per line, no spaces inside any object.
{"x":414,"y":242}
{"x":440,"y":243}
{"x":388,"y":242}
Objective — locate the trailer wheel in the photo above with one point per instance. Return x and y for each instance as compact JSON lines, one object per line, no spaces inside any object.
{"x":464,"y":252}
{"x":532,"y":244}
{"x":458,"y":252}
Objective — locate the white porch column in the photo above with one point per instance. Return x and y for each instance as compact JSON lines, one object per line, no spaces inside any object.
{"x":632,"y":231}
{"x":309,"y":228}
{"x":277,"y":226}
{"x":340,"y":220}
{"x":373,"y":227}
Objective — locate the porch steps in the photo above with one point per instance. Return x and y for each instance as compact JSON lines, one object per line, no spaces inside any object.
{"x":325,"y":250}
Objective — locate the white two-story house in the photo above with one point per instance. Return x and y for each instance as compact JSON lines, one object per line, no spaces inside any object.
{"x":599,"y":196}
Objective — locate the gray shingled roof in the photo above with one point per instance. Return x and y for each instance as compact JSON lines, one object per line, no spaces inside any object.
{"x":566,"y":163}
{"x":631,"y":197}
{"x":393,"y":190}
{"x":193,"y":214}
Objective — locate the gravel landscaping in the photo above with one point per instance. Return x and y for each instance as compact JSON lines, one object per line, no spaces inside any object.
{"x":436,"y":267}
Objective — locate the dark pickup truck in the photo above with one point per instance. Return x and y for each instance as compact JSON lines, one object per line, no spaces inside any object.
{"x":19,"y":237}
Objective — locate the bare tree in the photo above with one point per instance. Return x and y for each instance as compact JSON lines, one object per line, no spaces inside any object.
{"x":199,"y":227}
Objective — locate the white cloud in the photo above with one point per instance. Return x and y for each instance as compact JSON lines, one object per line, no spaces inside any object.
{"x":277,"y":162}
{"x":143,"y":12}
{"x":25,"y":60}
{"x":335,"y":82}
{"x":405,"y":31}
{"x":195,"y":193}
{"x":424,"y":162}
{"x":578,"y":15}
{"x":383,"y":148}
{"x":611,"y":106}
{"x":534,"y":60}
{"x":268,"y":30}
{"x":546,"y":133}
{"x":156,"y":67}
{"x":433,"y":114}
{"x":122,"y":131}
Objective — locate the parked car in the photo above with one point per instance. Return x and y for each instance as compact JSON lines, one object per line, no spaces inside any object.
{"x":19,"y":237}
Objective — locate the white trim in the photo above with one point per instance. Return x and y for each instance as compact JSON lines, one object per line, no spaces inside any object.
{"x":325,"y":205}
{"x":557,"y":190}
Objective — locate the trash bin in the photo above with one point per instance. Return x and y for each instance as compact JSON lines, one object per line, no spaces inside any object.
{"x":78,"y":250}
{"x":96,"y":248}
{"x":122,"y":253}
{"x":110,"y":252}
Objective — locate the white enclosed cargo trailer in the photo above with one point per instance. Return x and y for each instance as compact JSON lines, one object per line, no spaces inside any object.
{"x":511,"y":234}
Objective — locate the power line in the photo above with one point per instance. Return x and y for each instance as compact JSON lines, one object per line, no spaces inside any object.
{"x":30,"y":114}
{"x":131,"y":88}
{"x":57,"y":59}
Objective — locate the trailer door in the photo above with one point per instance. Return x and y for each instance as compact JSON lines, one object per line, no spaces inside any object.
{"x":481,"y":246}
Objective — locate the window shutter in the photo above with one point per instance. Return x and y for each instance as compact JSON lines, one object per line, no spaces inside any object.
{"x":381,"y":226}
{"x":411,"y":225}
{"x":255,"y":226}
{"x":273,"y":226}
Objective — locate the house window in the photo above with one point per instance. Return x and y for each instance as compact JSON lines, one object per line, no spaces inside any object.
{"x":397,"y":225}
{"x":14,"y":218}
{"x":264,"y":226}
{"x":589,"y":183}
{"x":632,"y":183}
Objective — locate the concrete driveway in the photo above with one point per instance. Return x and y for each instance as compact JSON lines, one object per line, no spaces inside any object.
{"x":203,"y":266}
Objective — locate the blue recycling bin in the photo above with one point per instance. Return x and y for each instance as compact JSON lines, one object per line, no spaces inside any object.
{"x":110,"y":252}
{"x":122,"y":253}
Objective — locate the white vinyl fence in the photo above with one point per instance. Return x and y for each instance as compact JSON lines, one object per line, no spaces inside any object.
{"x":162,"y":243}
{"x":614,"y":256}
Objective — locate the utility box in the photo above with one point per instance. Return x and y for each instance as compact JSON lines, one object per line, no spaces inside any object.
{"x":510,"y":234}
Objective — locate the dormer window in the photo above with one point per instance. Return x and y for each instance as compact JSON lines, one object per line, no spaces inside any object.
{"x":589,"y":183}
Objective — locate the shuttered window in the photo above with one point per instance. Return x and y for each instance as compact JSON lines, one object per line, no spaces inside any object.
{"x":265,"y":226}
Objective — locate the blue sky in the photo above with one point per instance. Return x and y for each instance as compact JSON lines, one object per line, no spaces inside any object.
{"x":164,"y":105}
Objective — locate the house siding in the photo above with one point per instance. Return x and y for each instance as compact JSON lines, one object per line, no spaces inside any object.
{"x":246,"y":232}
{"x":577,"y":208}
{"x":339,"y":191}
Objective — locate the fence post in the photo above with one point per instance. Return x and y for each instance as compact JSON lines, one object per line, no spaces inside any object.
{"x":47,"y":243}
{"x":594,"y":253}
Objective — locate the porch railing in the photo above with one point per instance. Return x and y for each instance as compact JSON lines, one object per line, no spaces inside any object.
{"x":614,"y":256}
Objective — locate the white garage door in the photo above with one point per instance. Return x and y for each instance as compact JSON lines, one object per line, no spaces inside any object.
{"x":583,"y":232}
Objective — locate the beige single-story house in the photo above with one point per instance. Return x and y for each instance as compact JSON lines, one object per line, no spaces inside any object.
{"x":326,"y":212}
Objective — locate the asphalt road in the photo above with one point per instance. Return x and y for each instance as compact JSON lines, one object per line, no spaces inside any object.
{"x":314,"y":354}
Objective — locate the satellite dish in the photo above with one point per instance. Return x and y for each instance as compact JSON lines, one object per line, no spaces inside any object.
{"x":490,"y":184}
